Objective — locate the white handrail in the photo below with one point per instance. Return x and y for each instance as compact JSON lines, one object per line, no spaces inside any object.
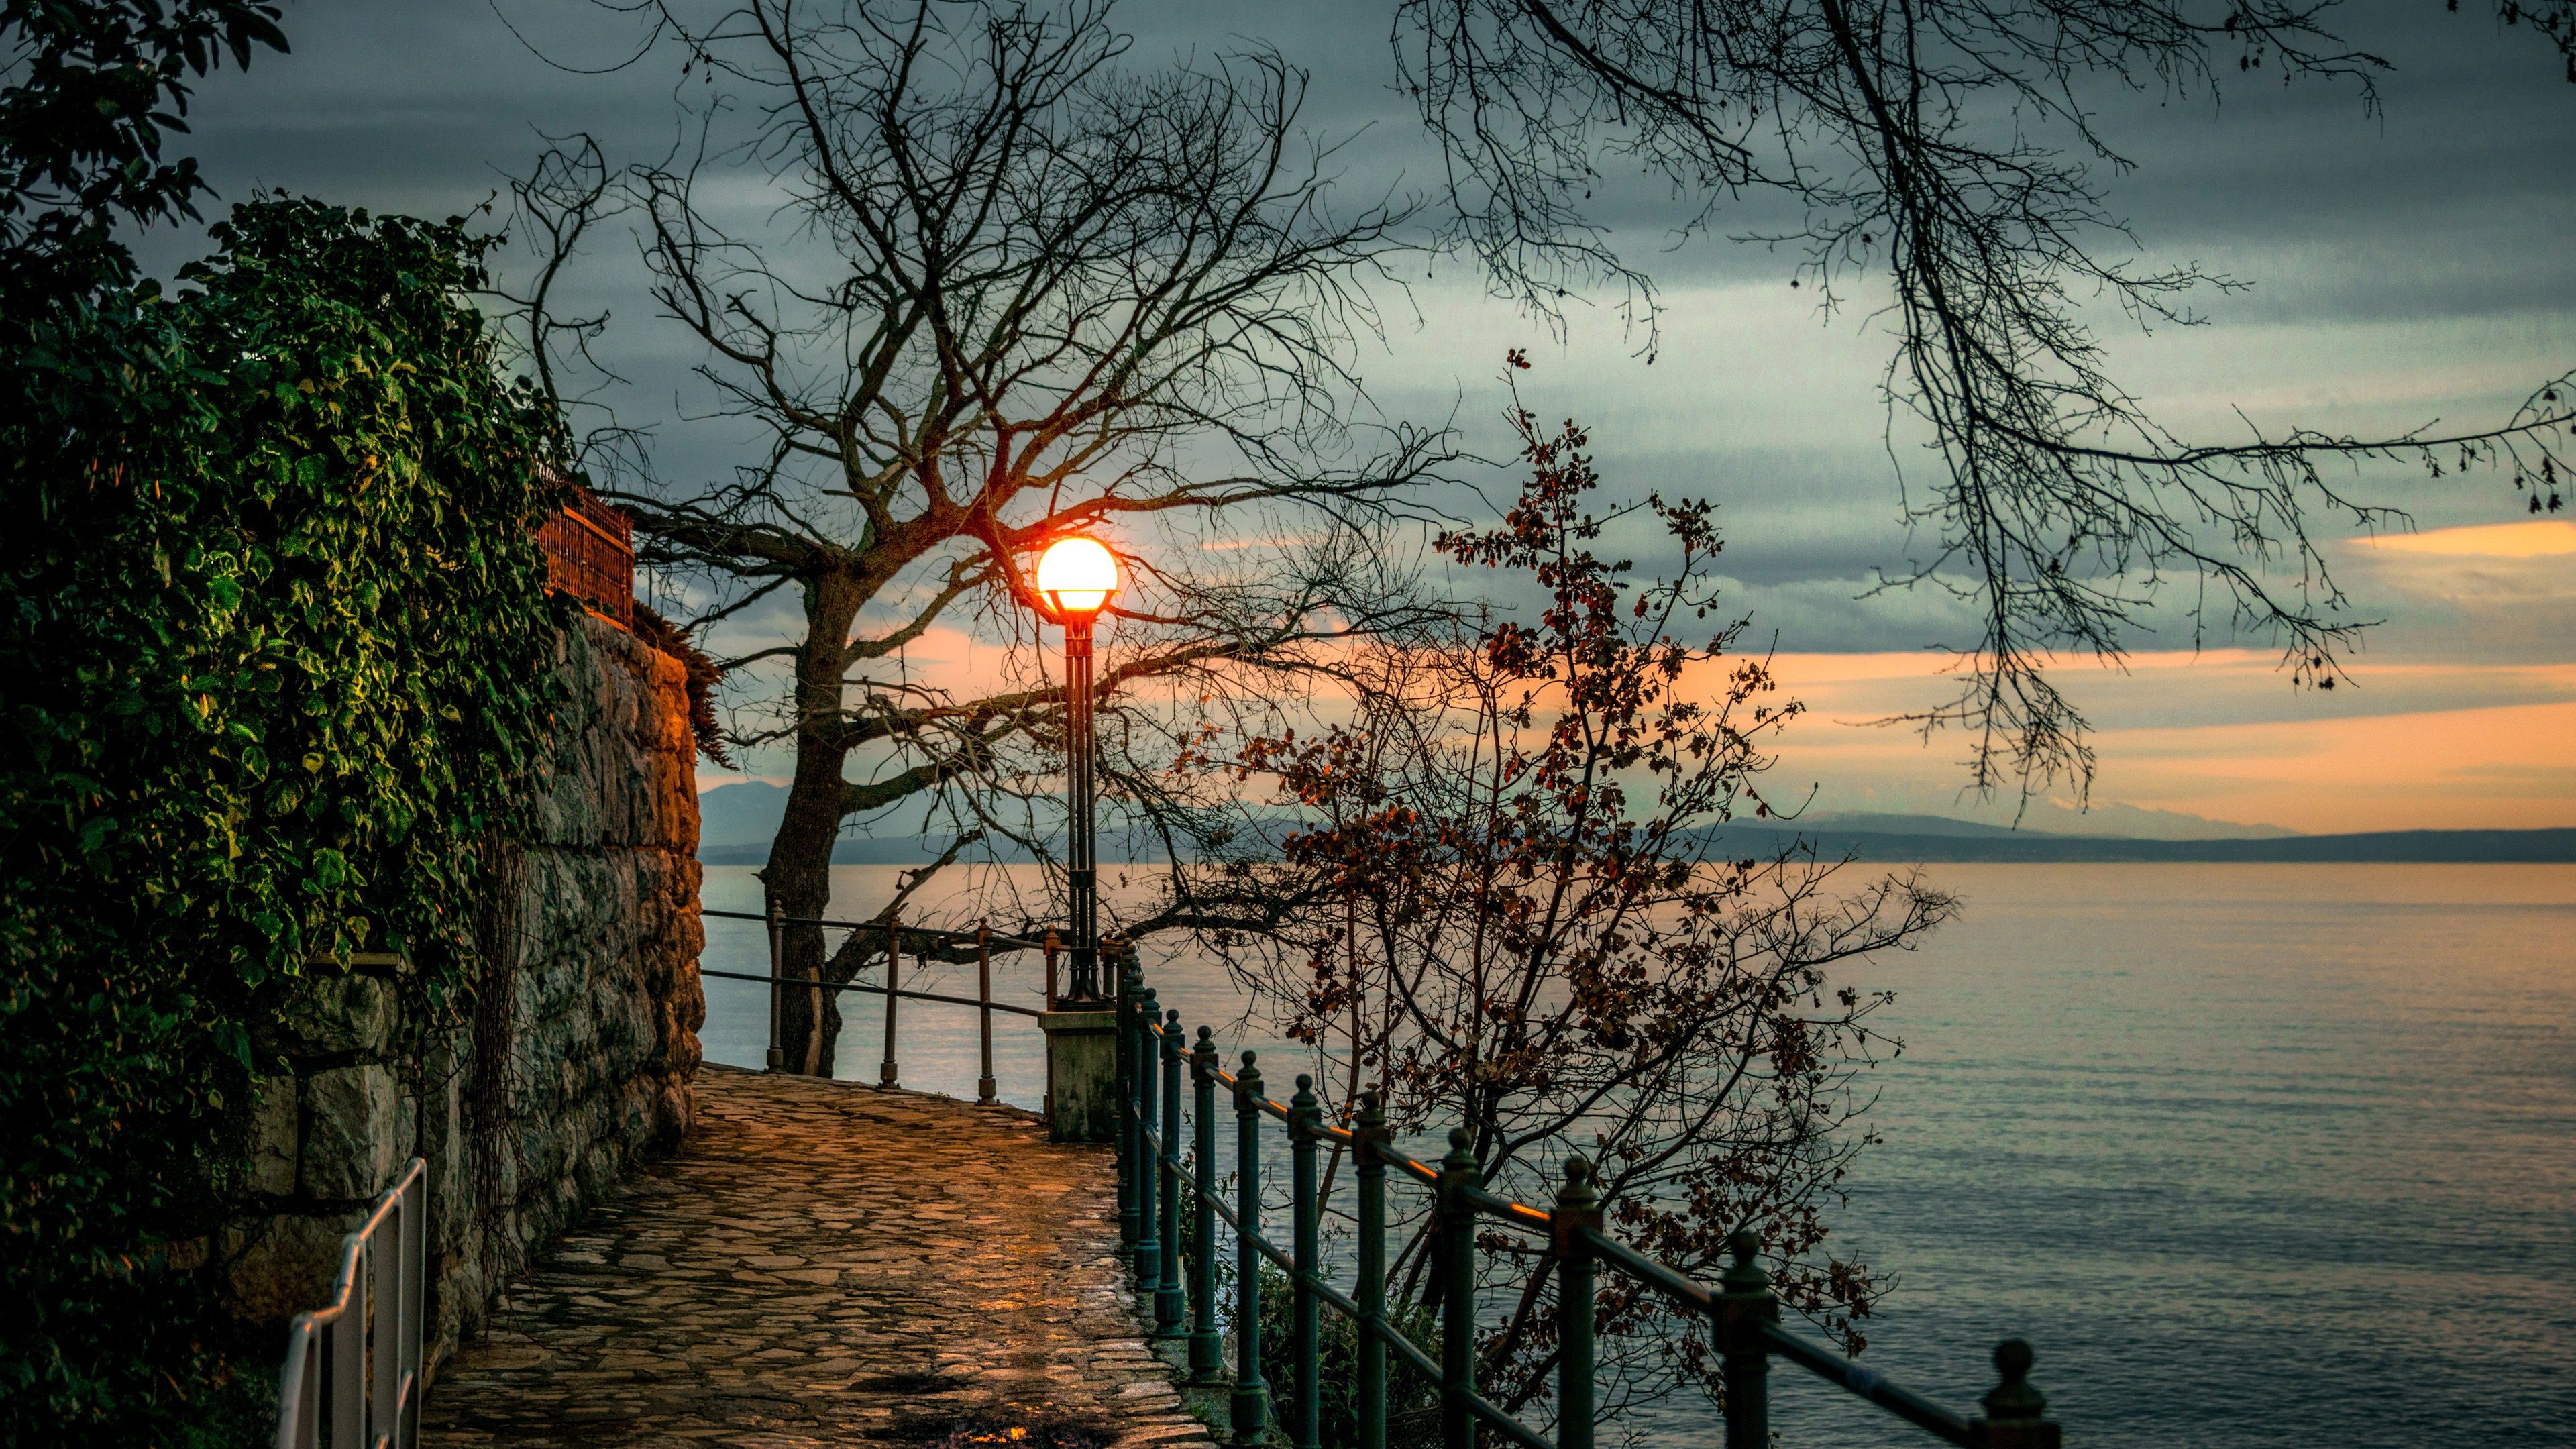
{"x":384,"y":1414}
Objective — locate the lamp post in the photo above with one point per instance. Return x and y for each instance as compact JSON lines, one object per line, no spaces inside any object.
{"x":1076,"y":576}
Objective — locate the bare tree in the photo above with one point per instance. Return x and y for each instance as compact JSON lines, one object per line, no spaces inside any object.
{"x":1051,"y":294}
{"x":1510,"y":908}
{"x":1953,"y":147}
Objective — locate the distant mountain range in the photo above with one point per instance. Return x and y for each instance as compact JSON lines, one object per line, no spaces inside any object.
{"x":2121,"y":822}
{"x":737,"y":821}
{"x":1989,"y":844}
{"x":737,"y":818}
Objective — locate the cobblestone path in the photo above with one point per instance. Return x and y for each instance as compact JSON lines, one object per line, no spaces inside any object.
{"x":825,"y":1264}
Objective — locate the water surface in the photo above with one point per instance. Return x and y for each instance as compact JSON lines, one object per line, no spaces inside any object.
{"x":2254,"y":1154}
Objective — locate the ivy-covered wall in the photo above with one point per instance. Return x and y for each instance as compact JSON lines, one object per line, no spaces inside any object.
{"x":275,"y":682}
{"x":575,"y":1061}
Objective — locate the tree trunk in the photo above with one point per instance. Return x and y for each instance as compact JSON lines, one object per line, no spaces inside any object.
{"x":799,"y":874}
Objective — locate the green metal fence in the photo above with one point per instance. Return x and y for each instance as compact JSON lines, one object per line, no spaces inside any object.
{"x":1153,"y":1178}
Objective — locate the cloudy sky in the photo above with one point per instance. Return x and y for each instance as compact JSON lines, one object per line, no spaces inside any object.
{"x":2407,"y":267}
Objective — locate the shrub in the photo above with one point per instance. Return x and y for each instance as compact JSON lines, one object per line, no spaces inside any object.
{"x":1412,"y":1401}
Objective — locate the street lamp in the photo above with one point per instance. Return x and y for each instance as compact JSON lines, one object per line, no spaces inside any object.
{"x":1076,"y":576}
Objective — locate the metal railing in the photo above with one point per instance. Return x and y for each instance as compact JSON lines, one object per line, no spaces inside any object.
{"x":355,"y":1363}
{"x":896,"y":934}
{"x":590,"y":552}
{"x":1152,"y":1177}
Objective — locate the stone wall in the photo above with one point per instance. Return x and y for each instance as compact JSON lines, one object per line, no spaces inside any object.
{"x":582,"y":1043}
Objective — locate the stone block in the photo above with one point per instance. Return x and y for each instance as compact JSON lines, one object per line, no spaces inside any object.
{"x":541,"y":1150}
{"x":578,"y":910}
{"x":406,"y":1132}
{"x":670,"y":805}
{"x":332,"y":1010}
{"x":352,"y":1133}
{"x":442,"y":1139}
{"x":273,"y":1135}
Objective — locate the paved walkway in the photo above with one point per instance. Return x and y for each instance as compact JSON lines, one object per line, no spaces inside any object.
{"x":825,"y":1264}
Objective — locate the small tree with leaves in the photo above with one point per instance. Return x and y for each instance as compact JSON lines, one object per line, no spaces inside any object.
{"x":1511,"y":911}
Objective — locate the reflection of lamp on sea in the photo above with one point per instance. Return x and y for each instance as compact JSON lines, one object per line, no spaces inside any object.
{"x":1076,"y":576}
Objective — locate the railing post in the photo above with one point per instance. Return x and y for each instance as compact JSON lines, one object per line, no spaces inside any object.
{"x":1049,"y":1100}
{"x":894,"y":963}
{"x":1149,"y":1248}
{"x":1207,"y":1350}
{"x":2016,"y":1414}
{"x":1131,"y":989}
{"x":384,"y":1395}
{"x":777,"y":993}
{"x":1305,"y":1124}
{"x":986,"y":1093}
{"x":1578,"y":1210}
{"x":1369,"y":1137}
{"x":415,"y":1233}
{"x":305,"y":1346}
{"x":1131,"y":972}
{"x":1743,"y":1311}
{"x":1167,"y":1167}
{"x":1251,"y":1403}
{"x":349,"y":1355}
{"x":1125,"y":1113}
{"x":1459,"y":1174}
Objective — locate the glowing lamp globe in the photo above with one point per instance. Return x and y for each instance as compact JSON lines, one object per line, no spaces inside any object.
{"x":1077,"y":576}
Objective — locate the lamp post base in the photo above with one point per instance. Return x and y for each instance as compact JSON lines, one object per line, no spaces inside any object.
{"x":1082,"y":1074}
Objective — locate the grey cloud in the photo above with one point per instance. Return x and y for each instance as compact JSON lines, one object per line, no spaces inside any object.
{"x":2458,"y":205}
{"x":2372,"y":693}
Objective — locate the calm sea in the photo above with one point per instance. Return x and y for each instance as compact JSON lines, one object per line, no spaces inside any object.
{"x":2254,"y":1155}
